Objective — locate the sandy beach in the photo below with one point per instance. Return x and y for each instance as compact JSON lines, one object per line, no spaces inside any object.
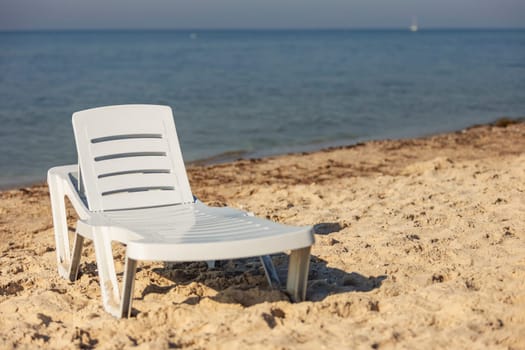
{"x":420,"y":243}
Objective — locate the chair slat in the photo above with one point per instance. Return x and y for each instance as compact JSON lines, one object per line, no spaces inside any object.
{"x":140,"y":199}
{"x":141,"y":124}
{"x":135,"y":180}
{"x":130,"y":164}
{"x":129,"y":145}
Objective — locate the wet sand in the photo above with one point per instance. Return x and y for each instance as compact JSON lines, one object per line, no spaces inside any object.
{"x":420,"y":243}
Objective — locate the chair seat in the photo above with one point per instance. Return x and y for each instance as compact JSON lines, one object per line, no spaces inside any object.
{"x":192,"y":232}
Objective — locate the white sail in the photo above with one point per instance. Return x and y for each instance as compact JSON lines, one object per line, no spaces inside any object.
{"x":413,"y":27}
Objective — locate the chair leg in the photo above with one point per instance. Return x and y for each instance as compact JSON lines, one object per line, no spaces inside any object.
{"x":106,"y":271}
{"x":270,"y":271}
{"x":114,"y":303}
{"x":128,"y":286}
{"x":58,"y":209}
{"x":298,"y":269}
{"x":75,"y":258}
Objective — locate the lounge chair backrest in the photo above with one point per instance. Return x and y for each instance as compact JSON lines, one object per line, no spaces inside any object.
{"x":129,"y":157}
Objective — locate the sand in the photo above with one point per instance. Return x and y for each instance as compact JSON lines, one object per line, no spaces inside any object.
{"x":420,"y":243}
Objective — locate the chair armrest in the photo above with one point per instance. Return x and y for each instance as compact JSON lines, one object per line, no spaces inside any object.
{"x":60,"y":181}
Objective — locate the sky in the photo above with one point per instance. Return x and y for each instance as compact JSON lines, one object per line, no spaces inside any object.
{"x":258,"y":14}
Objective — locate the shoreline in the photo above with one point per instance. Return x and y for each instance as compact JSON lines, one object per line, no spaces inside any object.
{"x":321,"y":146}
{"x":239,"y":155}
{"x":419,"y":244}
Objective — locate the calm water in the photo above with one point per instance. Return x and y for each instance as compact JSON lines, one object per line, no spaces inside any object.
{"x":253,"y":93}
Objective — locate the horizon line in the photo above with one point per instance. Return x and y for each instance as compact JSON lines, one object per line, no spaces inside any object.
{"x":263,"y":29}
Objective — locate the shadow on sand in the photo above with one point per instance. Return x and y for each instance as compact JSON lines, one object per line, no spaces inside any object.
{"x":243,"y":280}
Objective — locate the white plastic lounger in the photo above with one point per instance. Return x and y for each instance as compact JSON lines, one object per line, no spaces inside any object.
{"x":131,"y":186}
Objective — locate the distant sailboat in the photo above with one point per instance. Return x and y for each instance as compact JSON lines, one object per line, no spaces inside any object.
{"x":413,"y":27}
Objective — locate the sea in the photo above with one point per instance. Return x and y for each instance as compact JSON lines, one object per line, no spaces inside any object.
{"x":253,"y":93}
